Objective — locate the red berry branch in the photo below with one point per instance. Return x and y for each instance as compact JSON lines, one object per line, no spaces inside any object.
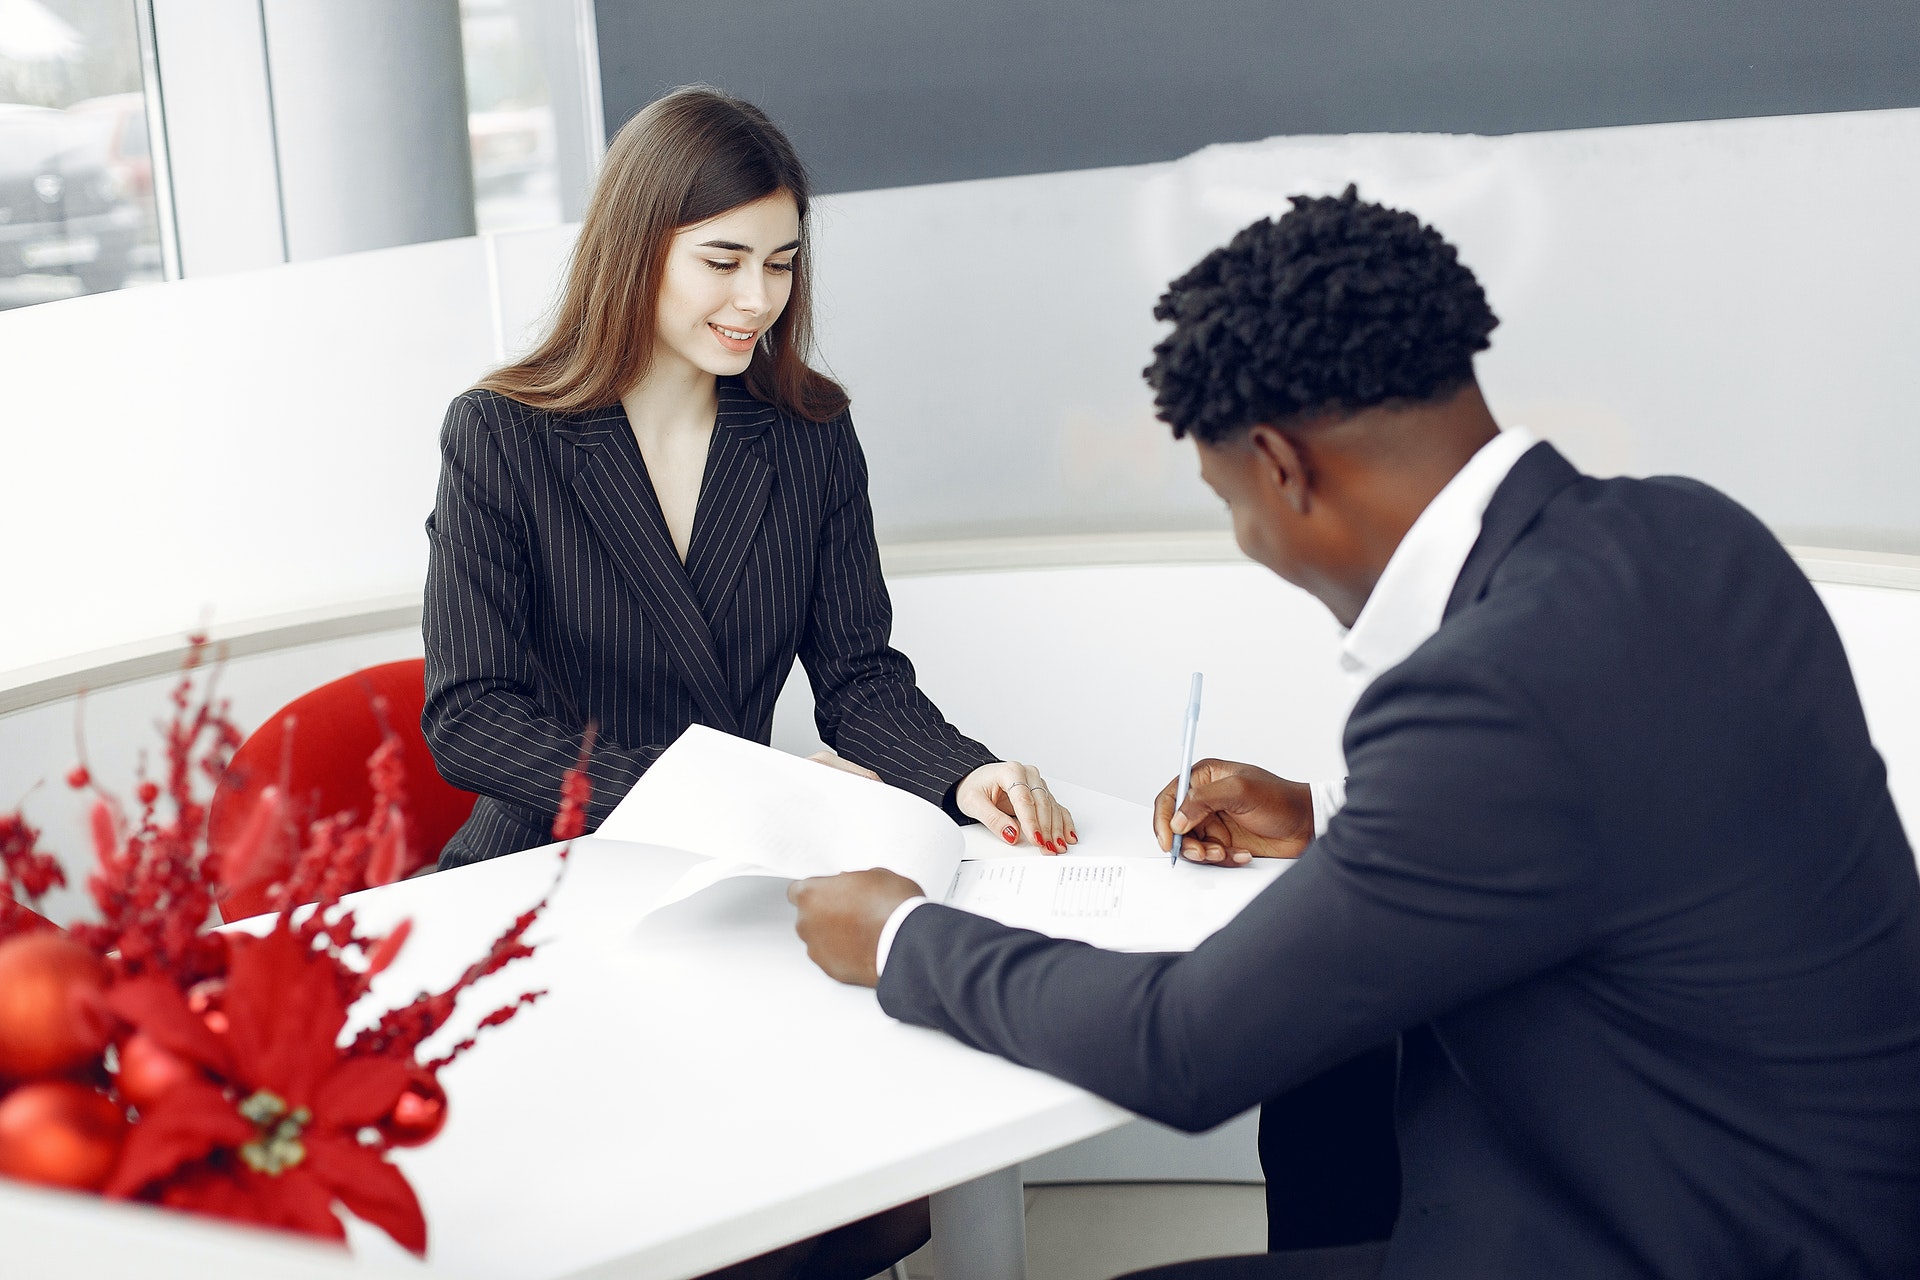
{"x":148,"y":1056}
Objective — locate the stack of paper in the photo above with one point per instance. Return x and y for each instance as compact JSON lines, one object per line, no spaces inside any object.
{"x":755,"y":811}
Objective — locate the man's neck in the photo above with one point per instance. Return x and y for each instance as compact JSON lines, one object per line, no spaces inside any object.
{"x":1387,"y":468}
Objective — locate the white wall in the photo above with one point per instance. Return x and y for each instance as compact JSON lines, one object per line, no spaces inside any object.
{"x":240,"y":446}
{"x":1063,"y":668}
{"x":529,"y":268}
{"x":1738,"y":300}
{"x":1881,"y":629}
{"x":1096,"y":695}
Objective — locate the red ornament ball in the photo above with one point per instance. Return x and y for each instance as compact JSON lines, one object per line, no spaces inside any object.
{"x":420,"y":1112}
{"x":205,"y":999}
{"x":79,"y":777}
{"x":60,"y":1133}
{"x":51,"y":1018}
{"x":147,"y":1071}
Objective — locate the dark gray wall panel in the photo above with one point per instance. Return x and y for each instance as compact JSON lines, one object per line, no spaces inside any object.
{"x":881,"y":93}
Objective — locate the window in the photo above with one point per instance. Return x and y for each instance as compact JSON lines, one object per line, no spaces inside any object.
{"x":77,"y":205}
{"x":510,"y":119}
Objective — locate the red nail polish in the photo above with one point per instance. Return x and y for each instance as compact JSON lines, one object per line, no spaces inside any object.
{"x":1013,"y":837}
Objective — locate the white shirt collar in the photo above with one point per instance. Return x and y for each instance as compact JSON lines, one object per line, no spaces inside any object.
{"x":1408,"y":601}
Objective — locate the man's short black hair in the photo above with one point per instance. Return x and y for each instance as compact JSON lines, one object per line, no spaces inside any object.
{"x":1338,"y":306}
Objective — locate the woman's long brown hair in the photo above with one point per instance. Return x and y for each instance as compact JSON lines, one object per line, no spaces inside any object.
{"x":688,"y":157}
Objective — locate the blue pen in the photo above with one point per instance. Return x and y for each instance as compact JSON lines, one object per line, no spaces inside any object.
{"x":1186,"y":757}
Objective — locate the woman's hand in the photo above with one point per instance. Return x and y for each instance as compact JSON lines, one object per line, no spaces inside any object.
{"x":834,"y":760}
{"x":1012,"y":800}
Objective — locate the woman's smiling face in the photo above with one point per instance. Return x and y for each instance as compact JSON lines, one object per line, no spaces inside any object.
{"x":726,"y":281}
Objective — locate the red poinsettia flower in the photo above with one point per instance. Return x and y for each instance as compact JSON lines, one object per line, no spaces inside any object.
{"x":248,"y":1105}
{"x":272,"y":1135}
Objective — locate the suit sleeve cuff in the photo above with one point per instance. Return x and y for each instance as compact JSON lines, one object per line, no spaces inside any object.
{"x":950,"y":802}
{"x":1328,"y":797}
{"x":892,"y":927}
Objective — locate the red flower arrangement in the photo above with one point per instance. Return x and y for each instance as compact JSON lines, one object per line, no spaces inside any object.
{"x":148,"y":1056}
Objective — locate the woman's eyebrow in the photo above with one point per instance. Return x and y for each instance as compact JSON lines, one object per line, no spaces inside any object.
{"x":734,"y":246}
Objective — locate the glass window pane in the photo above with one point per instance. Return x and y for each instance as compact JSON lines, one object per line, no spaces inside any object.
{"x":77,"y":212}
{"x":509,"y":116}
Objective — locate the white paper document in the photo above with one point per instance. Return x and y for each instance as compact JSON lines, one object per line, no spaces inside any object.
{"x":755,"y":811}
{"x":760,"y":812}
{"x":1122,"y":904}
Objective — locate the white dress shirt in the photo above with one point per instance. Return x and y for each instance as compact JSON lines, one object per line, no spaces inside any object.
{"x":1402,"y":612}
{"x":1406,"y":605}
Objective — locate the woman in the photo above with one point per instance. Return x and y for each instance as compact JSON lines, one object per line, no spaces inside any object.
{"x":644,"y":522}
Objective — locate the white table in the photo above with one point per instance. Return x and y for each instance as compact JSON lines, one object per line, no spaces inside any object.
{"x":693,"y":1091}
{"x":61,"y":1235}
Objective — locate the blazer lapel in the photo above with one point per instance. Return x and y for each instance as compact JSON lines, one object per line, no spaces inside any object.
{"x":612,"y":486}
{"x":733,"y":498}
{"x":1535,"y":479}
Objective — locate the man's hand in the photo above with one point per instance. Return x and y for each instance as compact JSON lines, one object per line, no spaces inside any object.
{"x":1235,"y":813}
{"x":841,"y":918}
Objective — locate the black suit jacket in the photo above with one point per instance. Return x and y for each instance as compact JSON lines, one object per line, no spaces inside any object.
{"x":555,"y":598}
{"x":1619,"y":860}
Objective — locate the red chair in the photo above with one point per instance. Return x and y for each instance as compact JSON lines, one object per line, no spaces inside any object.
{"x":322,"y":739}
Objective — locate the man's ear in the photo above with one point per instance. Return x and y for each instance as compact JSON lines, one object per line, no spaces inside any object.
{"x":1279,"y":464}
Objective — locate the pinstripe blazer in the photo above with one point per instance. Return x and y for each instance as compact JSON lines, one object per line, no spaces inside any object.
{"x":555,"y":598}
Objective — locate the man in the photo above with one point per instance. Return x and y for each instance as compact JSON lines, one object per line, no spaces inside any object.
{"x":1615,"y":860}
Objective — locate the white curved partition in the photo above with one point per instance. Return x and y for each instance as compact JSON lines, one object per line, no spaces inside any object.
{"x":1069,"y":653}
{"x":1052,"y":656}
